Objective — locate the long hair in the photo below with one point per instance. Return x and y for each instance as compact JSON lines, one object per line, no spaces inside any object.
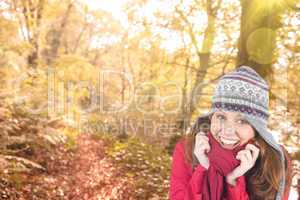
{"x":262,"y":180}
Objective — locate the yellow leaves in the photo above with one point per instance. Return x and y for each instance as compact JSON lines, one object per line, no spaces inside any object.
{"x":119,"y":146}
{"x":75,"y":68}
{"x":147,"y":164}
{"x":8,"y":30}
{"x":71,"y":135}
{"x":130,"y":174}
{"x":55,"y":9}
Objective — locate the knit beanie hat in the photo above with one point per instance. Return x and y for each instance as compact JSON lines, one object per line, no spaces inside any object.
{"x":245,"y":91}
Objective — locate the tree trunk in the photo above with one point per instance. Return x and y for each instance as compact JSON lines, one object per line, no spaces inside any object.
{"x":33,"y":15}
{"x":54,"y":36}
{"x":257,"y":41}
{"x":184,"y":121}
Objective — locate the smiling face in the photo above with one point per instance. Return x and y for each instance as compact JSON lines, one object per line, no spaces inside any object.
{"x":230,"y":129}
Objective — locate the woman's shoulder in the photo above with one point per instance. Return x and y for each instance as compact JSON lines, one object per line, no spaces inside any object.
{"x":181,"y":152}
{"x":180,"y":146}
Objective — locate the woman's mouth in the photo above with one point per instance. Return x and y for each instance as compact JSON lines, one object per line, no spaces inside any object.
{"x":229,"y":143}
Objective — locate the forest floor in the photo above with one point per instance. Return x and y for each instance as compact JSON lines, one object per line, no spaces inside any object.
{"x":81,"y":174}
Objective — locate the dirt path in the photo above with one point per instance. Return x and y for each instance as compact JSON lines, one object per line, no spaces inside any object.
{"x":93,"y":175}
{"x":85,"y":174}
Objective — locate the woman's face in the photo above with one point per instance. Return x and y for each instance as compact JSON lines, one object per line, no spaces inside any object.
{"x":230,"y":129}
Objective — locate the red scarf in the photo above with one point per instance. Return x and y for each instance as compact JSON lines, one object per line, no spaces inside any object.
{"x":222,"y":162}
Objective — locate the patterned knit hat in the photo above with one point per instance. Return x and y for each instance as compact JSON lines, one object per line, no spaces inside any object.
{"x":246,"y":92}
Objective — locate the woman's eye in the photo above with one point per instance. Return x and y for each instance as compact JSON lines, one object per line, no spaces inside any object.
{"x":220,"y":117}
{"x":242,"y":121}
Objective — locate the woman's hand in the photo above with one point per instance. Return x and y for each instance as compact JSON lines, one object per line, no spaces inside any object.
{"x":248,"y":157}
{"x":201,"y":148}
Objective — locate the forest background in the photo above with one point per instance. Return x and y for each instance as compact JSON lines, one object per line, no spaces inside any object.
{"x":94,"y":94}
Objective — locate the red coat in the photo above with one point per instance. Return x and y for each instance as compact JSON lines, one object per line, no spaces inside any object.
{"x":186,"y":184}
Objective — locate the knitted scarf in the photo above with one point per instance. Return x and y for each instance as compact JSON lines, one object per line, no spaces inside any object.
{"x":222,"y":162}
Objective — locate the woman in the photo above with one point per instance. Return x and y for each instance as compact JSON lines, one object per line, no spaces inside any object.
{"x":229,"y":153}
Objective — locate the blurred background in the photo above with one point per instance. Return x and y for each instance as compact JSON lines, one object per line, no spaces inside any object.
{"x":95,"y":94}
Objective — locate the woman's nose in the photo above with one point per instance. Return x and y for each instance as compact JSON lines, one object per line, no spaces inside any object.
{"x":228,"y":130}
